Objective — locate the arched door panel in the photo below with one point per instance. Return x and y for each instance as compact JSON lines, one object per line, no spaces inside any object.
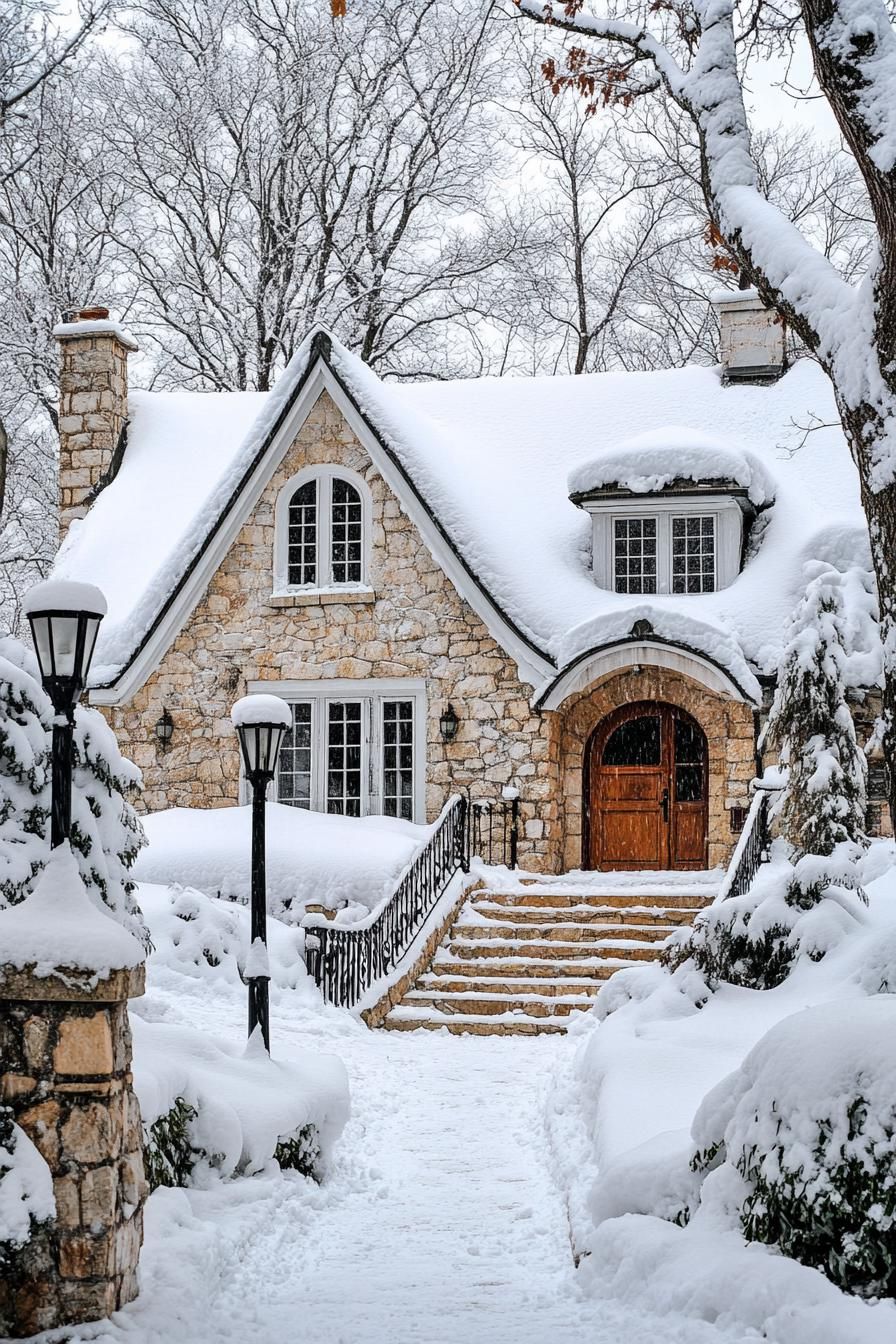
{"x":646,"y":791}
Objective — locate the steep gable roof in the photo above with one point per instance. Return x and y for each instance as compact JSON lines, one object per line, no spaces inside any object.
{"x":482,"y":467}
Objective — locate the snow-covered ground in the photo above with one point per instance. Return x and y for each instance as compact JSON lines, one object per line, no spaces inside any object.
{"x":440,"y":1220}
{"x":461,"y":1184}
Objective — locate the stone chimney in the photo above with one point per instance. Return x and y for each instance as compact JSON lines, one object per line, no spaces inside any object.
{"x":93,"y":406}
{"x":753,"y":345}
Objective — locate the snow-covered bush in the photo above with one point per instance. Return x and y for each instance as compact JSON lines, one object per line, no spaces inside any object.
{"x":206,"y":938}
{"x":26,"y":1188}
{"x":348,"y":864}
{"x":809,"y":1124}
{"x":168,"y":1153}
{"x":754,"y":939}
{"x":211,"y":1109}
{"x":106,"y":831}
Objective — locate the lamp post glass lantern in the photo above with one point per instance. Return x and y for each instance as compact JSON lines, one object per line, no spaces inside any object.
{"x":65,"y":620}
{"x":260,"y":722}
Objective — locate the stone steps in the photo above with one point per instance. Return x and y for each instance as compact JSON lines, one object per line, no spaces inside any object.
{"x":600,"y":968}
{"x":519,"y":988}
{"x":523,"y":961}
{"x":491,"y":1005}
{"x":412,"y":1019}
{"x":583,"y":914}
{"x":591,"y":932}
{"x":472,"y":949}
{"x":559,"y":900}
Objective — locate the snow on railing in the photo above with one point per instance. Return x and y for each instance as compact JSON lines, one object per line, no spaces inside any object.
{"x":344,"y":960}
{"x":752,"y":847}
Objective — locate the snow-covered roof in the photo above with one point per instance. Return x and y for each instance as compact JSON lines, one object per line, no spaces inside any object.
{"x":491,"y":460}
{"x":676,"y":454}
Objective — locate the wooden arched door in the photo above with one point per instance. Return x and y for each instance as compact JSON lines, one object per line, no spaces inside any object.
{"x":646,"y":784}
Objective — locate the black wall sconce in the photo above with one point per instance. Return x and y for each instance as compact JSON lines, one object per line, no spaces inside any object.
{"x":164,"y":730}
{"x":448,"y":724}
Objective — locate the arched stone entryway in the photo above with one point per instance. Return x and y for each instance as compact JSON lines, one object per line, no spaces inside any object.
{"x":646,"y":777}
{"x":726,"y":722}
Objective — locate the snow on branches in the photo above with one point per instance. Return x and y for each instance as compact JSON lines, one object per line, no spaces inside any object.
{"x":810,"y":725}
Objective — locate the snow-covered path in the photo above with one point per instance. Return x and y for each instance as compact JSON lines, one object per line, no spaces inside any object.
{"x":440,"y":1221}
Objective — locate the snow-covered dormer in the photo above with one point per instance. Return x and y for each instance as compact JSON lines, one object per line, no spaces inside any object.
{"x":670,"y":512}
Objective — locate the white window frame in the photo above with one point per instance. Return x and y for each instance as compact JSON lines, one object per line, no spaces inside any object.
{"x":371,"y":693}
{"x":727,"y":519}
{"x":323,"y":476}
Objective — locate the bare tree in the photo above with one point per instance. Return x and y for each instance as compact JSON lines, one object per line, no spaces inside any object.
{"x":279,"y":176}
{"x":601,"y":215}
{"x":38,"y":40}
{"x":56,"y":252}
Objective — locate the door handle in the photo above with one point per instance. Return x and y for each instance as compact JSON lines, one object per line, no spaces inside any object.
{"x":664,"y":804}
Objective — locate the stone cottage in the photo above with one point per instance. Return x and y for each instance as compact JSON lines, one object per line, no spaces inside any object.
{"x":571,"y":587}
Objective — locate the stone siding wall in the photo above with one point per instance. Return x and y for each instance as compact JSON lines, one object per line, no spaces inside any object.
{"x":93,"y":406}
{"x":66,"y":1057}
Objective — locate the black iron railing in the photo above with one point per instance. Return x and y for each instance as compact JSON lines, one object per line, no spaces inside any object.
{"x":752,"y":848}
{"x":346,"y":959}
{"x":495,"y":830}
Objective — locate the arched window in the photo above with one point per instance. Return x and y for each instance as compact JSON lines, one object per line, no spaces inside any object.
{"x":322,"y":531}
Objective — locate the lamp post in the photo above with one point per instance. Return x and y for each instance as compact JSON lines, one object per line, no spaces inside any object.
{"x":65,"y":620}
{"x":260,"y":722}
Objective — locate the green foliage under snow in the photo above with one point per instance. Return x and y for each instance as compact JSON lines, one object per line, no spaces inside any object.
{"x":809,"y":1124}
{"x":172,"y":1153}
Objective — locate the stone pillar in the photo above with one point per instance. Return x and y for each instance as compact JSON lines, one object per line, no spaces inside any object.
{"x":93,"y":406}
{"x":65,"y":1047}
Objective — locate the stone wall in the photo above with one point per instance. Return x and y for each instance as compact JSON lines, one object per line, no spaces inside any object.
{"x":93,"y":407}
{"x":66,"y":1056}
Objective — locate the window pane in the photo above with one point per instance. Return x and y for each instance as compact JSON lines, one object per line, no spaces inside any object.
{"x":693,"y":555}
{"x":344,"y":758}
{"x":346,"y":524}
{"x":690,"y":754}
{"x":689,"y":783}
{"x":689,"y":743}
{"x":634,"y":555}
{"x":636,"y":742}
{"x":294,"y":765}
{"x":301,"y":559}
{"x":398,"y":759}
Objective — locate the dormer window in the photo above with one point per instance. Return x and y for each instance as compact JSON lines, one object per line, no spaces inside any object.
{"x":662,"y":552}
{"x":660,"y":546}
{"x":658,"y":530}
{"x":322,"y":532}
